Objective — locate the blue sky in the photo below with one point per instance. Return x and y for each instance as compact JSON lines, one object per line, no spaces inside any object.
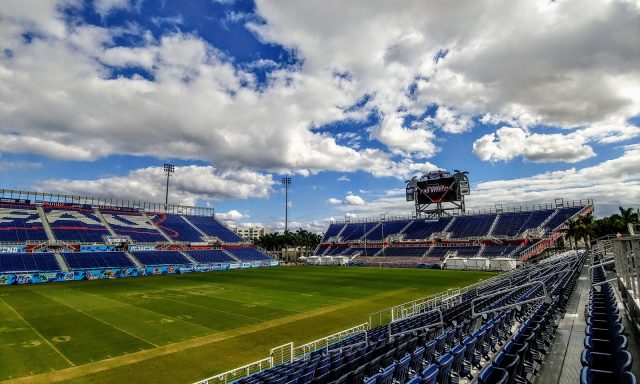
{"x":348,"y":99}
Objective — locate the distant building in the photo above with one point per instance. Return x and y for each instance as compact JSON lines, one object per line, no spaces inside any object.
{"x":250,"y":233}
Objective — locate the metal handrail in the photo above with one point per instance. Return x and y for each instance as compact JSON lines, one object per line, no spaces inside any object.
{"x":537,"y":282}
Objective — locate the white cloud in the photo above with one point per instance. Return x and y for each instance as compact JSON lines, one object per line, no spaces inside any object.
{"x":610,"y":183}
{"x":450,"y":121}
{"x":188,"y":185}
{"x":58,"y":99}
{"x":509,"y":142}
{"x":344,"y":178}
{"x":232,"y":215}
{"x":334,"y":201}
{"x":354,"y":200}
{"x":566,"y":64}
{"x":15,"y":165}
{"x":104,"y":7}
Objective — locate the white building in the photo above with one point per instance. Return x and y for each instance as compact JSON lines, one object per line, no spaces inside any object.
{"x":250,"y":233}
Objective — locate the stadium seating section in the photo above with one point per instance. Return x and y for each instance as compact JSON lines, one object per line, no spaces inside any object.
{"x":28,"y":262}
{"x":134,"y":225}
{"x":150,"y":258}
{"x":508,"y":344}
{"x":210,"y":256}
{"x":503,"y":234}
{"x":176,"y":227}
{"x":213,"y":228}
{"x":88,"y":260}
{"x":605,"y":358}
{"x":76,"y":225}
{"x":248,"y":254}
{"x":471,"y":226}
{"x":20,"y":223}
{"x":420,"y":229}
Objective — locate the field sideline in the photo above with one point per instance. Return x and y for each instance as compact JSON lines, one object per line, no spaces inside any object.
{"x":182,"y":328}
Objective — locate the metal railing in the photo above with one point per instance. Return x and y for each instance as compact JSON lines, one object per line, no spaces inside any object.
{"x":559,"y":203}
{"x":36,"y":198}
{"x":239,"y":373}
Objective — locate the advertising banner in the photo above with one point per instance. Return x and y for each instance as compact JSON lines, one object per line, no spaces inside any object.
{"x":97,"y":248}
{"x":136,"y":248}
{"x":245,"y":265}
{"x":5,"y":200}
{"x":13,"y":249}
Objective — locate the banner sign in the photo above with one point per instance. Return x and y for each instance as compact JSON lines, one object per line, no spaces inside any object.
{"x":256,"y":264}
{"x":136,"y":248}
{"x":13,"y":249}
{"x":119,"y":209}
{"x":160,"y":270}
{"x":5,"y":200}
{"x":273,"y":263}
{"x":116,"y":239}
{"x":97,"y":248}
{"x":116,"y":273}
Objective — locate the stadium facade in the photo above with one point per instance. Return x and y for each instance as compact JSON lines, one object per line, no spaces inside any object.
{"x":53,"y":237}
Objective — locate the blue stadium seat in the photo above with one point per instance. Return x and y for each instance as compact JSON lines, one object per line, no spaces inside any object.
{"x":471,"y":226}
{"x":28,"y":262}
{"x":134,"y":225}
{"x":213,"y":228}
{"x":210,"y":256}
{"x":81,"y":225}
{"x":248,"y":254}
{"x":150,"y":258}
{"x":88,"y":260}
{"x":176,"y":227}
{"x":20,"y":223}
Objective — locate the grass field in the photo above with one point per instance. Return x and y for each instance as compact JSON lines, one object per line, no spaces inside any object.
{"x":182,"y":328}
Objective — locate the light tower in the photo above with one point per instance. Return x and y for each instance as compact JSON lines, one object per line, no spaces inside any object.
{"x":168,"y":169}
{"x":286,"y":181}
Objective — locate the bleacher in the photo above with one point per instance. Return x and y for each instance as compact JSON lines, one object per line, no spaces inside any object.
{"x":213,"y":228}
{"x":369,"y":251}
{"x":441,"y":252}
{"x":471,"y":226}
{"x":386,"y":229}
{"x":333,"y":230}
{"x":20,"y":223}
{"x":605,"y":358}
{"x":152,"y":258}
{"x":176,"y":227}
{"x":356,"y":231}
{"x":405,"y":251}
{"x":507,"y":344}
{"x":134,"y":225}
{"x":422,"y":229}
{"x":561,"y":215}
{"x":248,"y":254}
{"x":90,"y":260}
{"x":210,"y":256}
{"x":499,"y":250}
{"x":516,"y":226}
{"x":28,"y":262}
{"x":81,"y":225}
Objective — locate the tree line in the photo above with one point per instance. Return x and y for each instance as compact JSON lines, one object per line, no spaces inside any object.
{"x":276,"y":241}
{"x":587,"y":227}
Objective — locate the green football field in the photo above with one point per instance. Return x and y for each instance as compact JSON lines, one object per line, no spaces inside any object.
{"x":182,"y":328}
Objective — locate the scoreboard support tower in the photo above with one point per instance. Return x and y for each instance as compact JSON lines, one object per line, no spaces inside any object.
{"x":438,"y":194}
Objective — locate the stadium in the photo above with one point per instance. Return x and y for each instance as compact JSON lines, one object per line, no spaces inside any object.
{"x":319,"y":192}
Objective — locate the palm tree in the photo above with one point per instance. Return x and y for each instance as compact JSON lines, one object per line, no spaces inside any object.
{"x":572,"y":232}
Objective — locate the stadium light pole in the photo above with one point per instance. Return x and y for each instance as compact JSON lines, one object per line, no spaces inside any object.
{"x":168,"y":169}
{"x":286,"y":181}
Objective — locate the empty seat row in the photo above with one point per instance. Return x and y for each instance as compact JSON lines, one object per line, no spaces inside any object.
{"x":420,"y":349}
{"x":605,"y":358}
